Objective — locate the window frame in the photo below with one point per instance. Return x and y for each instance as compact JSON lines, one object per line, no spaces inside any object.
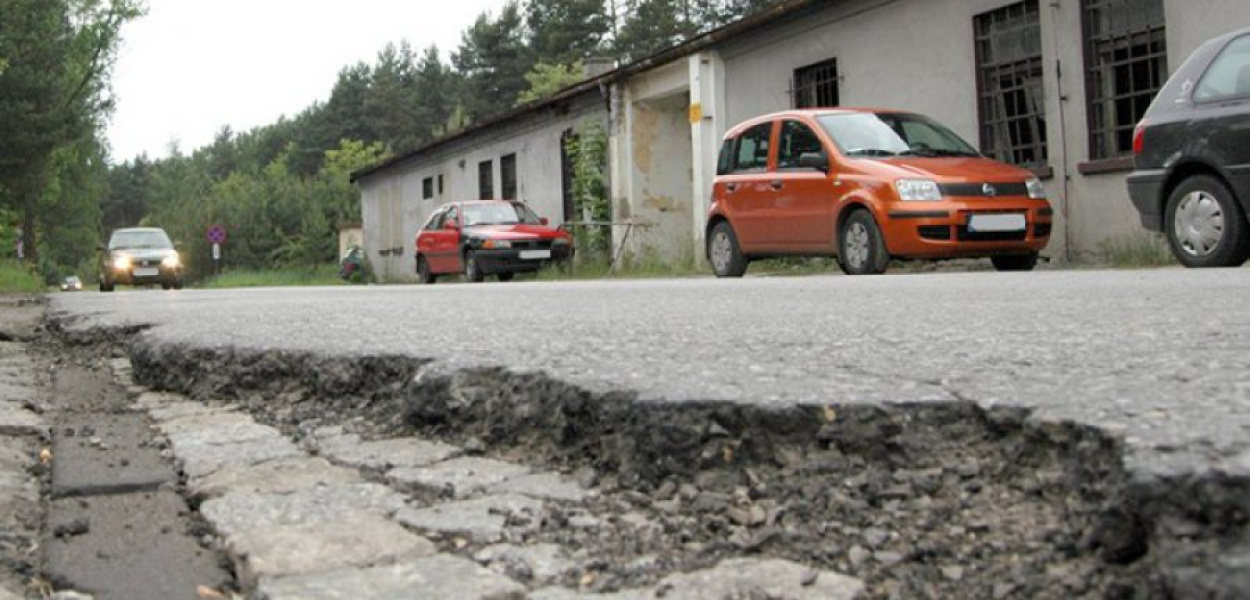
{"x":1111,"y":141}
{"x":486,"y":179}
{"x":427,"y":188}
{"x":508,"y":188}
{"x":1028,"y":75}
{"x":737,"y":145}
{"x":800,"y":89}
{"x":781,"y":146}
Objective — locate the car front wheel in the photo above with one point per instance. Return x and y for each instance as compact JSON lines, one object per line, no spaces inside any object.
{"x":424,"y":275}
{"x":724,"y":253}
{"x":1205,"y":226}
{"x":472,"y":271}
{"x":861,"y":249}
{"x":105,"y":285}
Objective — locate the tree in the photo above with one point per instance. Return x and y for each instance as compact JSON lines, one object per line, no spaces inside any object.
{"x":54,"y":90}
{"x":652,"y":25}
{"x":493,"y":59}
{"x":545,"y":80}
{"x":564,"y":31}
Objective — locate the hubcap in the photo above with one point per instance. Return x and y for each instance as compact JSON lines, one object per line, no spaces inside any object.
{"x":857,"y":245}
{"x":722,"y":252}
{"x":1199,"y":224}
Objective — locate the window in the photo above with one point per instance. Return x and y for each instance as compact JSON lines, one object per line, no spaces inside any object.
{"x":796,"y":140}
{"x":452,"y":216}
{"x":427,"y":188}
{"x":1229,"y":74}
{"x":440,"y":184}
{"x":436,"y":220}
{"x":507,"y":176}
{"x":751,"y":148}
{"x":816,"y":85}
{"x":485,"y":180}
{"x":1009,"y":84}
{"x":1126,"y":58}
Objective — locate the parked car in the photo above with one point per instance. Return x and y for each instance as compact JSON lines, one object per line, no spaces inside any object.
{"x":487,"y":237}
{"x":866,"y":186}
{"x":71,"y":284}
{"x":1191,"y":155}
{"x":140,"y":256}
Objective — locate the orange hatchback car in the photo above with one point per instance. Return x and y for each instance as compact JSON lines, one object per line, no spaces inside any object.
{"x":867,"y":186}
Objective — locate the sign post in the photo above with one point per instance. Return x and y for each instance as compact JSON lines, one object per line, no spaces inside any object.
{"x":216,"y":235}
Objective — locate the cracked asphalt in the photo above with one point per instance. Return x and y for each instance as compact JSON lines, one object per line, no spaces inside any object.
{"x":1158,"y":357}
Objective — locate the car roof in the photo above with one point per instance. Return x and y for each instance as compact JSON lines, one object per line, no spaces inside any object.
{"x":812,"y":112}
{"x":137,"y":229}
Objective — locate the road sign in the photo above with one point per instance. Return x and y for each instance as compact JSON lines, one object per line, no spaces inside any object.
{"x":216,"y":234}
{"x":216,"y":251}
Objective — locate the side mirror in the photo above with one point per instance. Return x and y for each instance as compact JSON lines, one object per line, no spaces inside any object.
{"x":544,"y":220}
{"x":814,"y":160}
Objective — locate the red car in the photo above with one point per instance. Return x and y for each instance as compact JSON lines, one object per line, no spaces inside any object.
{"x":487,"y":237}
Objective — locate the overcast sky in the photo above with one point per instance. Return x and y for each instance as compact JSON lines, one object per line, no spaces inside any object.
{"x":190,"y":67}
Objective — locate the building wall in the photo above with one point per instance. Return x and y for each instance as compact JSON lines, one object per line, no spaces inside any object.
{"x":392,"y":203}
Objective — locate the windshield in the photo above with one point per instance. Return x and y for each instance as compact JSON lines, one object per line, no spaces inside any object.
{"x":136,"y":240}
{"x":498,"y":213}
{"x":886,"y":135}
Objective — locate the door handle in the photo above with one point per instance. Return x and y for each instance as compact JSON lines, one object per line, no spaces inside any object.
{"x":775,"y":184}
{"x":731,"y":187}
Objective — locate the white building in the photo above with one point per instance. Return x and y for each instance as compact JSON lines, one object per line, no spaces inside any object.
{"x":1053,"y":85}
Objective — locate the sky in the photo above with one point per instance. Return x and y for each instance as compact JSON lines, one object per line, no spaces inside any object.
{"x":190,"y":67}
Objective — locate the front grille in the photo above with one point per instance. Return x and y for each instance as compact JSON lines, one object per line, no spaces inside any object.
{"x":531,"y":244}
{"x":978,"y":190}
{"x":935,"y":232}
{"x":1041,"y":230}
{"x":989,"y":236}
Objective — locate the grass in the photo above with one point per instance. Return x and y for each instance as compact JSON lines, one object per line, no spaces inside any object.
{"x":17,"y":278}
{"x":1137,"y":250}
{"x":323,"y":275}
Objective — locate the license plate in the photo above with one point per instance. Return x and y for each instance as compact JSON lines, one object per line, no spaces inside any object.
{"x":1003,"y":222}
{"x":146,"y":272}
{"x":535,"y":254}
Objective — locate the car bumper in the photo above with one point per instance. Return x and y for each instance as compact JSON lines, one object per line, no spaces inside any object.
{"x":944,"y":229}
{"x":1145,"y":189}
{"x":139,"y":276}
{"x":519,"y":260}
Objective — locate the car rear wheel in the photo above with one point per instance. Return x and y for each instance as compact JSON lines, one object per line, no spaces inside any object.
{"x":724,"y":253}
{"x":505,"y":276}
{"x":1015,"y":262}
{"x":105,"y":285}
{"x":424,"y":275}
{"x":472,"y":271}
{"x":861,"y":249}
{"x":1205,"y":225}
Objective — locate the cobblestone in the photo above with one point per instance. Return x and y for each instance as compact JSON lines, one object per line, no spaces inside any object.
{"x":458,"y":477}
{"x":434,"y":578}
{"x":486,"y":520}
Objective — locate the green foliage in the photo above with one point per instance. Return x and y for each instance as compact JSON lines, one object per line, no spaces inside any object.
{"x":588,"y":153}
{"x":16,"y":277}
{"x":564,"y":31}
{"x":545,"y":80}
{"x":322,"y":275}
{"x":1137,"y":250}
{"x":492,"y":60}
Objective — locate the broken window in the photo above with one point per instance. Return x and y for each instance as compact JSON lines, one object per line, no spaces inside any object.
{"x":507,"y":176}
{"x":816,"y":85}
{"x":1010,"y":104}
{"x":485,"y":180}
{"x":1126,"y":58}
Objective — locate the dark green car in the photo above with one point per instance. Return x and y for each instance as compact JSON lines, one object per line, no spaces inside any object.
{"x":140,"y":256}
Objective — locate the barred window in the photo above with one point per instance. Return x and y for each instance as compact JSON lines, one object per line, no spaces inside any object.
{"x":507,"y":176}
{"x":485,"y":180}
{"x":816,"y":85}
{"x":1010,"y":104}
{"x":1126,"y":60}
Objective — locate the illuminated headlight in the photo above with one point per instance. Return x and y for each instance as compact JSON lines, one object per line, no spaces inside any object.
{"x":497,"y":244}
{"x":560,"y":242}
{"x":121,"y":263}
{"x":918,"y":190}
{"x":171,"y":261}
{"x":1037,"y":191}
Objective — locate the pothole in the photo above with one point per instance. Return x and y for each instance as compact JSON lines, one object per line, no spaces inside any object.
{"x":918,"y":500}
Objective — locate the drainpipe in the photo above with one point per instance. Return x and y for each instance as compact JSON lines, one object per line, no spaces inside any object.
{"x":1064,"y":172}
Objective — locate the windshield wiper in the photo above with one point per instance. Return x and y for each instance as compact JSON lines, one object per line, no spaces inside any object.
{"x":870,"y":152}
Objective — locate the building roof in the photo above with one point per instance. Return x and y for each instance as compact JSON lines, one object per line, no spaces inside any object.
{"x":663,"y":57}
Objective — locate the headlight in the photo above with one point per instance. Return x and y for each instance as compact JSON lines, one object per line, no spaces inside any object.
{"x":918,"y":190}
{"x":496,"y":244}
{"x":560,"y":242}
{"x":121,"y":263}
{"x":1037,"y":191}
{"x":171,"y":261}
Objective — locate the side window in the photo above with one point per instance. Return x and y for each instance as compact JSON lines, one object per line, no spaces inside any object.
{"x":436,"y":221}
{"x":751,"y":149}
{"x":1229,"y":74}
{"x":724,"y":161}
{"x":796,"y":140}
{"x":452,"y":216}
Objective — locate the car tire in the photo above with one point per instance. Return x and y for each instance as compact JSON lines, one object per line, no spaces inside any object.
{"x":1015,"y":262}
{"x":1205,"y":224}
{"x":505,"y":276}
{"x":165,"y":285}
{"x":177,"y":284}
{"x":105,"y":285}
{"x":472,"y":271}
{"x":861,"y":247}
{"x":724,"y":252}
{"x":424,"y":275}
